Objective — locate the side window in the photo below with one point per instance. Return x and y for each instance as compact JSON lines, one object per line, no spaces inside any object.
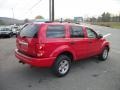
{"x":76,"y":32}
{"x":55,"y":31}
{"x":91,"y":33}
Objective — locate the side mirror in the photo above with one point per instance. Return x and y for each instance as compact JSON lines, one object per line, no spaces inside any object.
{"x":100,"y":36}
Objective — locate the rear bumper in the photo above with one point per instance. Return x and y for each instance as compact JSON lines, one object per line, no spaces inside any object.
{"x":37,"y":62}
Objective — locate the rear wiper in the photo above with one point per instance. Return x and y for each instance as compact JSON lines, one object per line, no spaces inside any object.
{"x":23,"y":36}
{"x":26,"y":37}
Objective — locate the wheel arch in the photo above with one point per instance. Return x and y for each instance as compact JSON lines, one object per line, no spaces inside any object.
{"x":67,"y":53}
{"x":64,"y":50}
{"x":105,"y":45}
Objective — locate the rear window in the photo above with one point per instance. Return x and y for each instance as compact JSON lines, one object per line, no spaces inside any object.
{"x":55,"y":31}
{"x":77,"y":32}
{"x":30,"y":30}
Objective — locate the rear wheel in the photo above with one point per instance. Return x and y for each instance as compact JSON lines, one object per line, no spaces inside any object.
{"x":62,"y":65}
{"x":104,"y":54}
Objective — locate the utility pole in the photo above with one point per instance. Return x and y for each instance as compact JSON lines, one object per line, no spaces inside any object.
{"x":50,"y":4}
{"x":13,"y":16}
{"x":53,"y":14}
{"x":51,"y":10}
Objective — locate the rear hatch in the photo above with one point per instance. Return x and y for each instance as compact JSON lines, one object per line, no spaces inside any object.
{"x":27,"y":39}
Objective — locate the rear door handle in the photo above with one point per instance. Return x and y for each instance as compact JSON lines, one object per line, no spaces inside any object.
{"x":72,"y":42}
{"x":90,"y":42}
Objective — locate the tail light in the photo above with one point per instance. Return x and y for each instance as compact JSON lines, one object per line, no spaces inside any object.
{"x":39,"y":50}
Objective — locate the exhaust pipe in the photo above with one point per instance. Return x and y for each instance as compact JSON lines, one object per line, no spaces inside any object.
{"x":21,"y":62}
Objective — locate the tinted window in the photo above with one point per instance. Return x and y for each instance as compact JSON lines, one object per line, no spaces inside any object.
{"x":91,"y":33}
{"x":29,"y":31}
{"x":55,"y":31}
{"x":76,"y":32}
{"x":5,"y":29}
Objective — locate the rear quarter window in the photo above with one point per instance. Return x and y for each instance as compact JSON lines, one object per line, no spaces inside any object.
{"x":55,"y":31}
{"x":30,"y":30}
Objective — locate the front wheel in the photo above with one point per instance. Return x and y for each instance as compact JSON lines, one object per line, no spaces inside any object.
{"x":10,"y":35}
{"x":104,"y":54}
{"x":62,"y":65}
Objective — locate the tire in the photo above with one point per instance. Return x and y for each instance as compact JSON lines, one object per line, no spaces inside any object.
{"x":61,"y":66}
{"x":104,"y":55}
{"x":10,"y":35}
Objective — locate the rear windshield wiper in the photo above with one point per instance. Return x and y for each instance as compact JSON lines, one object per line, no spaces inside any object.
{"x":23,"y":36}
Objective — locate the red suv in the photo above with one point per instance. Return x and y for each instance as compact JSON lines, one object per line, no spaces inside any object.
{"x":56,"y":45}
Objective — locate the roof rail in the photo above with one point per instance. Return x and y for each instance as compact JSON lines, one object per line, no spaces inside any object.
{"x":48,"y":21}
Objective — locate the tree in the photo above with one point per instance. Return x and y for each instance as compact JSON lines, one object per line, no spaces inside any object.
{"x":119,"y":17}
{"x":68,"y":20}
{"x":26,"y":20}
{"x":39,"y":17}
{"x":99,"y":19}
{"x":93,"y":19}
{"x":116,"y":18}
{"x":106,"y":17}
{"x":1,"y":22}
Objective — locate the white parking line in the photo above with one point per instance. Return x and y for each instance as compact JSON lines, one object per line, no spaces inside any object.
{"x":107,"y":35}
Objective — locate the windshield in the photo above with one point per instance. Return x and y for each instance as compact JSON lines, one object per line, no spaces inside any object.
{"x":29,"y":31}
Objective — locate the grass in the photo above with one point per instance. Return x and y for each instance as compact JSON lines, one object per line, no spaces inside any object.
{"x":109,"y":24}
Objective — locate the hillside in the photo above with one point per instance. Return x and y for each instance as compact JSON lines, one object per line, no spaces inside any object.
{"x":9,"y":21}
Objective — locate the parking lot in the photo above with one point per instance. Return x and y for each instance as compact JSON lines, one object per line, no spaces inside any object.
{"x":89,"y":74}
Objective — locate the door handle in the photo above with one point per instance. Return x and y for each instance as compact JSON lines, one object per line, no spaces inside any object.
{"x":72,"y":42}
{"x":90,"y":42}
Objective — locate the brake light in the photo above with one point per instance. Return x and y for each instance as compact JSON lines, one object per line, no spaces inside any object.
{"x":39,"y":54}
{"x":39,"y":49}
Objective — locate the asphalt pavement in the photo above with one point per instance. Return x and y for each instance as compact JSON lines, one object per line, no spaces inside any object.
{"x":89,"y":74}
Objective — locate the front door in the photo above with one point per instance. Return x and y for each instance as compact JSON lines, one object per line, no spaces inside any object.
{"x":94,"y":42}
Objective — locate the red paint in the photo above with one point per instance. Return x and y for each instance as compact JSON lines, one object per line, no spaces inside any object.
{"x":42,"y":51}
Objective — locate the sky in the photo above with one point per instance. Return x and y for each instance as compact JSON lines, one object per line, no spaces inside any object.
{"x":63,"y":8}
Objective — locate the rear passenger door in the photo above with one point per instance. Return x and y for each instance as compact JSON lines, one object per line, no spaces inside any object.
{"x":55,"y":38}
{"x":78,"y":41}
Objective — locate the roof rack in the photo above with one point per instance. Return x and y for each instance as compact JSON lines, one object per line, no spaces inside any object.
{"x":48,"y":21}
